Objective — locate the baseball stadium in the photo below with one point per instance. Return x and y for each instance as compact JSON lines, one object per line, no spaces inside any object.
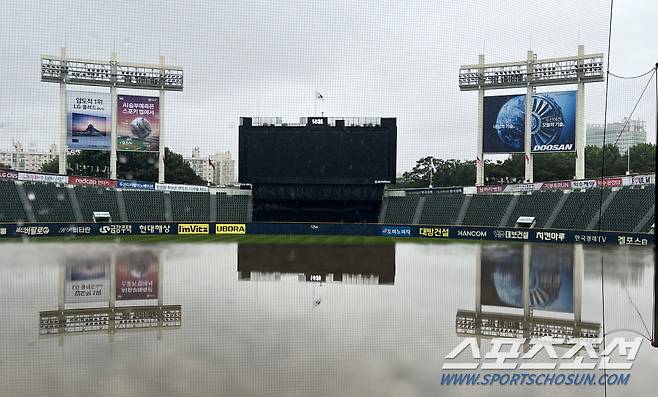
{"x":185,"y":212}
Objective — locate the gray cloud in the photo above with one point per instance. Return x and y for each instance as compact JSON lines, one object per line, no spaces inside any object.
{"x":268,"y":58}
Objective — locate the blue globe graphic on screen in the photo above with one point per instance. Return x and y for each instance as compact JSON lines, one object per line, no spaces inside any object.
{"x":510,"y":123}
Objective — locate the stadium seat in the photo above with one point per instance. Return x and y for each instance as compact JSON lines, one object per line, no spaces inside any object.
{"x":144,"y":205}
{"x":487,"y":209}
{"x":232,"y":208}
{"x":93,"y":199}
{"x":539,"y":205}
{"x":50,"y":202}
{"x":401,"y":210}
{"x":190,"y":206}
{"x":579,"y":208}
{"x":442,"y":209}
{"x":627,"y":208}
{"x":11,"y":208}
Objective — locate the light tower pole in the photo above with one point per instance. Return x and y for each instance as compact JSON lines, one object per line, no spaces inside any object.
{"x":580,"y":116}
{"x":62,"y":117}
{"x":527,"y":136}
{"x":479,"y":164}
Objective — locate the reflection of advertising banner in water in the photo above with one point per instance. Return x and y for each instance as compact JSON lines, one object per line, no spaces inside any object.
{"x":89,"y":118}
{"x":138,"y":123}
{"x":137,"y":275}
{"x":87,"y":280}
{"x":553,"y":123}
{"x":550,"y":277}
{"x":502,"y":270}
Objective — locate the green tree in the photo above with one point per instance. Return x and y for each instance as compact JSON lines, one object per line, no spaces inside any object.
{"x":615,"y":163}
{"x":554,"y":166}
{"x":142,"y":166}
{"x":547,"y":167}
{"x":643,"y":158}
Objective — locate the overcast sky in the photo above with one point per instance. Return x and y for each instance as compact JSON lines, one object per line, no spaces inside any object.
{"x":267,"y":58}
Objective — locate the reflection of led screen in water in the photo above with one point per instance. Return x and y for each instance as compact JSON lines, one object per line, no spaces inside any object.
{"x":550,"y":277}
{"x":87,"y":279}
{"x":137,"y":275}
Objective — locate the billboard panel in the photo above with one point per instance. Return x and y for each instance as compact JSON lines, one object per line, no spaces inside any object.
{"x":553,"y":123}
{"x":89,"y":118}
{"x":136,"y":275}
{"x":138,"y":123}
{"x":87,"y":280}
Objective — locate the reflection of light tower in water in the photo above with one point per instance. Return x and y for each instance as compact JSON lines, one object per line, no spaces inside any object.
{"x":102,"y":280}
{"x":527,"y":284}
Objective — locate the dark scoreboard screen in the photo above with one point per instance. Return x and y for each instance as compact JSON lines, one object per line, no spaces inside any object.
{"x":317,"y":154}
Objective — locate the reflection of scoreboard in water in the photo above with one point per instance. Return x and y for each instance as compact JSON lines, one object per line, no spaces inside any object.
{"x":100,"y":281}
{"x":515,"y":282}
{"x":322,"y":263}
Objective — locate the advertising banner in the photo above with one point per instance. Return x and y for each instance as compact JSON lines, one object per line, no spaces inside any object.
{"x":643,"y":179}
{"x":181,"y":188}
{"x":435,"y":190}
{"x":193,"y":228}
{"x":491,"y":189}
{"x":136,"y":185}
{"x":556,"y":185}
{"x":523,"y":187}
{"x":583,"y":184}
{"x":230,"y":228}
{"x":90,"y":181}
{"x":553,"y":123}
{"x":89,"y":118}
{"x":138,"y":123}
{"x":87,"y":280}
{"x":609,"y":182}
{"x":8,"y":175}
{"x":136,"y":275}
{"x":27,"y":176}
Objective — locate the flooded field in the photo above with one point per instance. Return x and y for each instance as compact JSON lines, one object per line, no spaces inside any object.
{"x":305,"y":320}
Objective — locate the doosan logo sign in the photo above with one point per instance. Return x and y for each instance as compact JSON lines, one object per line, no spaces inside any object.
{"x":553,"y":148}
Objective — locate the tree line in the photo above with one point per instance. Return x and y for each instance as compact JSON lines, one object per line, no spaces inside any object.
{"x":547,"y":167}
{"x":138,"y":166}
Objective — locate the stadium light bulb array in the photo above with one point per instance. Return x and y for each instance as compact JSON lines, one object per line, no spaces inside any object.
{"x":99,"y":73}
{"x":566,"y":70}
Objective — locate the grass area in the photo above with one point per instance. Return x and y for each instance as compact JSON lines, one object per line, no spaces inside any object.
{"x":243,"y":239}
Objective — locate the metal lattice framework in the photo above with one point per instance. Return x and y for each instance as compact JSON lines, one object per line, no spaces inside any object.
{"x":83,"y":72}
{"x":502,"y":325}
{"x":567,"y":70}
{"x":74,"y":321}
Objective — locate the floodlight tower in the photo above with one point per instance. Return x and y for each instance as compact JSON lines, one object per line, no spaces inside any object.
{"x":529,"y":74}
{"x":112,"y":74}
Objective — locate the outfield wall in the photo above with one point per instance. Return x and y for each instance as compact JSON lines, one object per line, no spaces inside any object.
{"x":8,"y":231}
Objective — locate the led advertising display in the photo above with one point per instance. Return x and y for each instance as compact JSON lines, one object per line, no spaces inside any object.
{"x":89,"y":118}
{"x":553,"y":123}
{"x":138,"y":123}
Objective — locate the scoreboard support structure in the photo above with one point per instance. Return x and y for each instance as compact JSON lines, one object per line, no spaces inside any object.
{"x":530,"y":74}
{"x":112,"y":74}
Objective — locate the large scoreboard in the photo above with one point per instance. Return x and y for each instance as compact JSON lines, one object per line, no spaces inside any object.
{"x":318,"y":152}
